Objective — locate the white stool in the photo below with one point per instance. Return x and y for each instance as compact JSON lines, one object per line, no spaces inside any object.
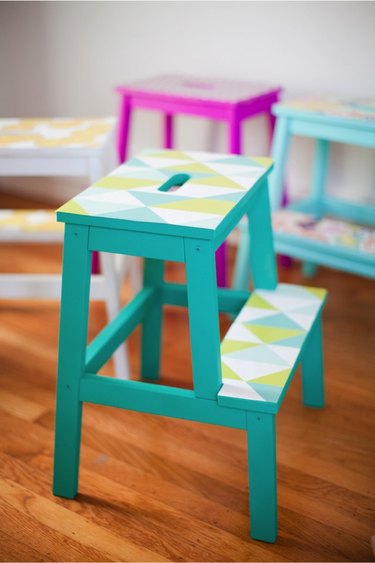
{"x":58,"y":147}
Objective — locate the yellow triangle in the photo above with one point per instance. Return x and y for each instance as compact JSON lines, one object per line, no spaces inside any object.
{"x":259,"y":303}
{"x":317,"y":291}
{"x":218,"y":182}
{"x":277,"y":379}
{"x":264,"y":161}
{"x":118,"y":183}
{"x":227,"y":373}
{"x":72,"y":207}
{"x":228,"y":346}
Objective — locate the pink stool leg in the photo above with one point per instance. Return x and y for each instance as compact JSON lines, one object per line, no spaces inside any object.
{"x":123,"y":128}
{"x":168,"y":131}
{"x":95,"y":263}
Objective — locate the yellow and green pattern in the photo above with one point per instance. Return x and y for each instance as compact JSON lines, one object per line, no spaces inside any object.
{"x":54,"y":133}
{"x":262,"y":346}
{"x":15,"y":221}
{"x":193,"y":189}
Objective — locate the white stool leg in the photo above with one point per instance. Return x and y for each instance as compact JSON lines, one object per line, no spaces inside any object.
{"x":111,"y":278}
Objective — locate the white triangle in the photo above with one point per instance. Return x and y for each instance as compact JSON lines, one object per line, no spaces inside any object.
{"x":205,"y":157}
{"x":239,"y":390}
{"x":252,"y":313}
{"x":304,"y":321}
{"x":125,"y":170}
{"x":249,"y":370}
{"x":283,"y":303}
{"x":115,"y":196}
{"x":230,"y":169}
{"x":194,"y":189}
{"x":238,"y":332}
{"x":179,"y":217}
{"x":287,"y":353}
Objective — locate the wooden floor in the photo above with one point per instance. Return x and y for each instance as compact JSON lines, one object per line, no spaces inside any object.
{"x":158,"y":489}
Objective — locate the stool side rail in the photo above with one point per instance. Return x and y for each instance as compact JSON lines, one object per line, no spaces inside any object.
{"x":113,"y":334}
{"x":230,"y":301}
{"x":339,"y":133}
{"x":157,"y":399}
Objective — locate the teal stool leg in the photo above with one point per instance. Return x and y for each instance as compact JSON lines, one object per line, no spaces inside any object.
{"x":203,"y":318}
{"x":279,"y":153}
{"x":71,"y":362}
{"x":320,"y":169}
{"x":153,"y":276}
{"x":262,"y":476}
{"x":312,"y":368}
{"x":262,"y":255}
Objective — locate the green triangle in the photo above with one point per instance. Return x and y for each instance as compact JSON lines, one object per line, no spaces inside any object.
{"x":72,"y":207}
{"x":259,"y":303}
{"x":227,"y":373}
{"x":270,"y":334}
{"x":219,"y":182}
{"x":278,"y":379}
{"x":228,"y":346}
{"x":125,"y":183}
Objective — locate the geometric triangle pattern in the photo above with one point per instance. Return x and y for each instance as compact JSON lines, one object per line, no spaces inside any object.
{"x":47,"y":133}
{"x":263,"y":344}
{"x":184,"y":188}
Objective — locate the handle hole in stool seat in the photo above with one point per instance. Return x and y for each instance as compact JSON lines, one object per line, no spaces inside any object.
{"x":174,"y":183}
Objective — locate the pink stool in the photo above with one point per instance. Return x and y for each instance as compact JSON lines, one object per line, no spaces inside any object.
{"x":219,"y":100}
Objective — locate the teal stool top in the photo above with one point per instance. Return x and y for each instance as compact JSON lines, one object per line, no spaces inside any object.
{"x":171,"y":192}
{"x":180,"y":206}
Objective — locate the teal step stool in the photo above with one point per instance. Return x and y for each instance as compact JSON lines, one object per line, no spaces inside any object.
{"x":320,"y":229}
{"x":180,"y":206}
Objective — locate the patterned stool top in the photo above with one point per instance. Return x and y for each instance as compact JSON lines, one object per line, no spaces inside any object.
{"x":54,"y":133}
{"x":262,"y":346}
{"x":14,"y":222}
{"x":327,"y":230}
{"x":330,"y":106}
{"x":137,"y":192}
{"x":198,"y":88}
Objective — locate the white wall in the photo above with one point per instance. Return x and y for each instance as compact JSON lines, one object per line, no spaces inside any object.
{"x":64,"y":58}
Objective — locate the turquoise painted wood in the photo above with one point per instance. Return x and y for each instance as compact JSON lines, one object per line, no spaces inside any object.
{"x":262,"y":255}
{"x":261,"y":445}
{"x":325,"y":121}
{"x":71,"y":362}
{"x":312,"y":368}
{"x":111,"y":337}
{"x":152,"y":324}
{"x":187,"y":227}
{"x":203,"y":317}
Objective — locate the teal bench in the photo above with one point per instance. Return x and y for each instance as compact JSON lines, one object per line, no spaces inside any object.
{"x":180,"y":206}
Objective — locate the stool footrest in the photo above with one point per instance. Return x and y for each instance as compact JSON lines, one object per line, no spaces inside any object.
{"x":262,"y":348}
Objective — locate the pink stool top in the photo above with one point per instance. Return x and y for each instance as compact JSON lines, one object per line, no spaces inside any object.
{"x":200,"y":89}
